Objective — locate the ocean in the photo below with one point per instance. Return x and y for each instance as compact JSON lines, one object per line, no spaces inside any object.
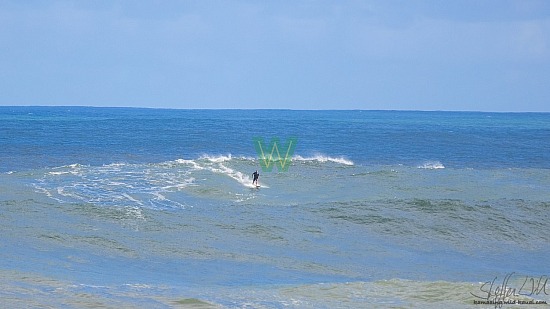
{"x":155,"y":208}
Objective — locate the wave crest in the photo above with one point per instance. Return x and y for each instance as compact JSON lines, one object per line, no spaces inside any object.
{"x":432,"y":165}
{"x":216,"y":158}
{"x":322,"y":159}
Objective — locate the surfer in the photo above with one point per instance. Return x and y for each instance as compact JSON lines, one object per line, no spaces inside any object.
{"x":255,"y":176}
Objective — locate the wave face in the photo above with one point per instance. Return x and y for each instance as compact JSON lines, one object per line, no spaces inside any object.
{"x":162,"y":185}
{"x":156,"y":208}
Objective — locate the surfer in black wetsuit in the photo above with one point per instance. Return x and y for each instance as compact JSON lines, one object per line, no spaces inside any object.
{"x":255,"y":176}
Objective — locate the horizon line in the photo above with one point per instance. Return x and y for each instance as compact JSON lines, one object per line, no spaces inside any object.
{"x":268,"y":109}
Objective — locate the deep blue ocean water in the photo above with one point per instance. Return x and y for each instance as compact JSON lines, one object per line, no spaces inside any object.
{"x":154,"y":208}
{"x":51,"y":136}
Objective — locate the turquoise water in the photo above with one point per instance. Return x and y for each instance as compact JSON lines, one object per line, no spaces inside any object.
{"x":110,"y":207}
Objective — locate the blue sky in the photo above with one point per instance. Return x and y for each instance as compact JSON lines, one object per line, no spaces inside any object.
{"x":413,"y":55}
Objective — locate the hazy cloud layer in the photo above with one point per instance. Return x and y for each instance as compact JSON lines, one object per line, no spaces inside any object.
{"x":449,"y":55}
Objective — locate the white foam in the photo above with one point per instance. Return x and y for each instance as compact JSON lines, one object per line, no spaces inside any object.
{"x":322,"y":159}
{"x":247,"y":158}
{"x":222,"y":158}
{"x":118,"y":184}
{"x":42,"y":190}
{"x":238,"y":176}
{"x":184,"y":161}
{"x":432,"y":165}
{"x":241,"y":178}
{"x":159,"y":196}
{"x":216,"y":159}
{"x":180,"y":185}
{"x":133,"y":215}
{"x":192,"y":163}
{"x":139,"y":286}
{"x":137,"y":185}
{"x":61,"y":191}
{"x":126,"y":195}
{"x":119,"y":164}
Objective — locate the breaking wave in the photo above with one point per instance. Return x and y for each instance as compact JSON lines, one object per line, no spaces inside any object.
{"x":322,"y":159}
{"x":159,"y":185}
{"x":432,"y":165}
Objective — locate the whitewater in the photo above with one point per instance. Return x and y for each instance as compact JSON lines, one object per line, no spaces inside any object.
{"x":147,"y":208}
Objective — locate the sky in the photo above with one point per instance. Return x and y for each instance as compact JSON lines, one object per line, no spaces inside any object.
{"x":480,"y":55}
